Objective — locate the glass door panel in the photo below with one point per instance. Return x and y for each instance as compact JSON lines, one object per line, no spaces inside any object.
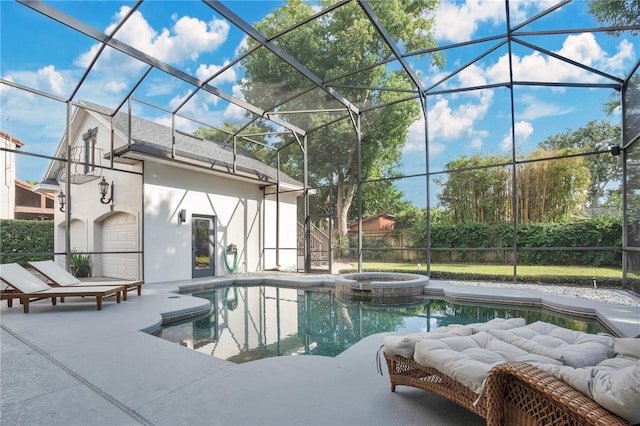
{"x":203,"y":246}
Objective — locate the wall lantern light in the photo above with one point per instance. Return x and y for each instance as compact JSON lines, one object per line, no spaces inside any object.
{"x":182,"y":216}
{"x":62,"y":200}
{"x":104,"y":188}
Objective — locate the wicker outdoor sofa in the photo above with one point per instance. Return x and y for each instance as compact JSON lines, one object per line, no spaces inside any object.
{"x":514,"y":392}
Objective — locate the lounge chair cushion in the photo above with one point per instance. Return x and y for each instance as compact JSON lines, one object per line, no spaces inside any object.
{"x":614,"y":384}
{"x":404,"y":345}
{"x":468,"y":359}
{"x":572,"y":348}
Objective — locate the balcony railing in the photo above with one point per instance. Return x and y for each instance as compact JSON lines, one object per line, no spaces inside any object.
{"x":85,"y":166}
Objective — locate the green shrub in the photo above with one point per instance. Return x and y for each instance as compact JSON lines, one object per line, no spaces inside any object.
{"x":602,"y":231}
{"x":31,"y":237}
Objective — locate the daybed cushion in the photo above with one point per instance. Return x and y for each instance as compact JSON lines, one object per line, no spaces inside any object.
{"x":614,"y":384}
{"x":627,"y":347}
{"x":404,"y":345}
{"x":572,"y":348}
{"x":468,"y":359}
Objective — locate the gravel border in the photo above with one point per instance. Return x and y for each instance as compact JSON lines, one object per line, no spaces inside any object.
{"x":615,"y":296}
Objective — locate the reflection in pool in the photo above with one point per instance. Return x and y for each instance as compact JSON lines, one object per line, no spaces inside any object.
{"x":249,"y":323}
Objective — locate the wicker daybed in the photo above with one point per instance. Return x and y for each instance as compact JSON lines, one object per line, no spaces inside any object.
{"x":516,"y":393}
{"x":508,"y":385}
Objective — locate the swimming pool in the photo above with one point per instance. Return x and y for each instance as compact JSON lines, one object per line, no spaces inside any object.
{"x":250,"y":323}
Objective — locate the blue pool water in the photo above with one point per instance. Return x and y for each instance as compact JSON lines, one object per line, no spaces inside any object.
{"x":249,"y":323}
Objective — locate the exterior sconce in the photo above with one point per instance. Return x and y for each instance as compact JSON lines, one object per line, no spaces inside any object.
{"x":62,"y":200}
{"x":615,"y":150}
{"x":104,"y":188}
{"x":182,"y":216}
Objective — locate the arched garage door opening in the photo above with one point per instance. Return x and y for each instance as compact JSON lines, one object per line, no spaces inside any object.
{"x":119,"y":234}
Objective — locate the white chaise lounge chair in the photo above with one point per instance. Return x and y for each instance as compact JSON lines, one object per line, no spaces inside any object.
{"x":25,"y":286}
{"x":59,"y":277}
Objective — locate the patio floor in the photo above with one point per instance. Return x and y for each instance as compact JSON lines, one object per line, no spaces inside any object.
{"x":72,"y":365}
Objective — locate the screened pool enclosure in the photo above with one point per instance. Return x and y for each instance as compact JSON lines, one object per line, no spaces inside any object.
{"x":496,"y":136}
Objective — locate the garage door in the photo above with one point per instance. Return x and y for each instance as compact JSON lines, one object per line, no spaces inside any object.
{"x":120,"y":233}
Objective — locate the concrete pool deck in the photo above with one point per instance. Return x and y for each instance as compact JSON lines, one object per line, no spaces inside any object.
{"x":72,"y":365}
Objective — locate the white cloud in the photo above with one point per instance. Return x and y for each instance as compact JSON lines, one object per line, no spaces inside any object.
{"x":582,"y":48}
{"x":234,"y":113}
{"x":472,"y":76}
{"x":476,"y":144}
{"x":449,"y":123}
{"x":242,"y":46}
{"x":535,"y":108}
{"x":52,"y":79}
{"x":115,"y":86}
{"x":626,"y":54}
{"x":458,"y":22}
{"x":36,"y":120}
{"x":206,"y":71}
{"x":415,"y":137}
{"x":46,"y":79}
{"x":187,"y":39}
{"x":523,"y":130}
{"x":537,"y":67}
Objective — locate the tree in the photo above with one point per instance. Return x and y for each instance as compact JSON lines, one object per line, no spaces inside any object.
{"x":379,"y":197}
{"x":479,"y":190}
{"x":551,"y":190}
{"x":604,"y":168}
{"x":476,"y":190}
{"x":616,"y":13}
{"x":225,"y":135}
{"x":326,"y":47}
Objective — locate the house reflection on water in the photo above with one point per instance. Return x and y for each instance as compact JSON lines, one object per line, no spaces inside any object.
{"x":249,"y":323}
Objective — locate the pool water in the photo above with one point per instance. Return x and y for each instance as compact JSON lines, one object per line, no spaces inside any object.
{"x":250,"y":323}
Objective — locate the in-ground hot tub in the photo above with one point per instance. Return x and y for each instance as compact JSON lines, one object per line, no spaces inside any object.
{"x":381,"y":285}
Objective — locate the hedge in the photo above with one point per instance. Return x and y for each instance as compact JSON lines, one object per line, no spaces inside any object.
{"x":597,"y":232}
{"x":26,"y":236}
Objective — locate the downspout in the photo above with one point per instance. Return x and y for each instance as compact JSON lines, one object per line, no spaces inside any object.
{"x":235,"y":150}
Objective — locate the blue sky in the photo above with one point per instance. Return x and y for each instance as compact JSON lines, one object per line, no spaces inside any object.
{"x":42,"y":54}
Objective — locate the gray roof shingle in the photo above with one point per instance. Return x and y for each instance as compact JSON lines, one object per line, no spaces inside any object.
{"x":154,"y":139}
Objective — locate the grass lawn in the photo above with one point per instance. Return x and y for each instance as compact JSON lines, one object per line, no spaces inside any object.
{"x":545,"y":274}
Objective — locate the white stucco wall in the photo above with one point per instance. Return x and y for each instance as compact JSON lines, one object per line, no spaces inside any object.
{"x":152,"y":203}
{"x":88,"y":213}
{"x":238,"y":211}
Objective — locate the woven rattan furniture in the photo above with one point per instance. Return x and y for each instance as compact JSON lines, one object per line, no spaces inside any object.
{"x":516,"y":393}
{"x":519,"y":393}
{"x":406,"y":372}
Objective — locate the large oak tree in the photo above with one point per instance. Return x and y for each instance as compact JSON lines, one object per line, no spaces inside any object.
{"x":332,"y":47}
